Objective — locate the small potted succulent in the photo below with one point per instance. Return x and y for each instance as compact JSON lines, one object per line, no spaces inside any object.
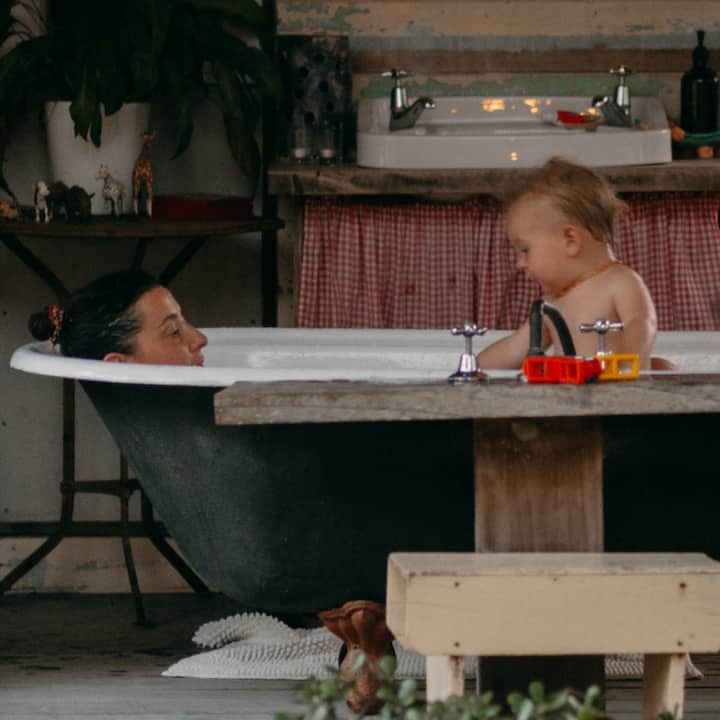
{"x":100,"y":56}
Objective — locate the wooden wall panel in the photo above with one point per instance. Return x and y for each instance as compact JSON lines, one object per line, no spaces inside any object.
{"x":423,"y":19}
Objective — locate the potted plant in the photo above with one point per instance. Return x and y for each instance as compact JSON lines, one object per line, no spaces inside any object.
{"x":404,"y":700}
{"x":101,"y":56}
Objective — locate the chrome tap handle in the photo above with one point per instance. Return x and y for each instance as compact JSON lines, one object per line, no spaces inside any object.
{"x":469,"y":331}
{"x":398,"y":94}
{"x":602,"y":328}
{"x":622,"y":91}
{"x":622,"y":71}
{"x":467,"y":369}
{"x":396,"y":74}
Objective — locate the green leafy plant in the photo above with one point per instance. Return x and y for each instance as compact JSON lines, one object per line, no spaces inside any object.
{"x":176,"y":53}
{"x":404,"y":700}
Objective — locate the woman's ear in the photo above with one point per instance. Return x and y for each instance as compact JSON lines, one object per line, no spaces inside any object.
{"x":116,"y":357}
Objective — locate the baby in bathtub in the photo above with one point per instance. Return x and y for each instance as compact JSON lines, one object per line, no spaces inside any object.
{"x":561,"y":226}
{"x":122,"y":317}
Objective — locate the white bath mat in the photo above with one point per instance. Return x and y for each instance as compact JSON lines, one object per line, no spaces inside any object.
{"x":258,"y":646}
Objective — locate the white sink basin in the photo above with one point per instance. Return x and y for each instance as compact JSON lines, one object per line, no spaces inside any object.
{"x":486,"y":132}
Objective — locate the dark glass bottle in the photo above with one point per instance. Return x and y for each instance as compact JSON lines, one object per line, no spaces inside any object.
{"x":699,"y":93}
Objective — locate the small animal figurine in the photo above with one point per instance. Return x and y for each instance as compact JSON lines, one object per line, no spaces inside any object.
{"x":40,"y":201}
{"x":113,"y":190}
{"x":9,"y":209}
{"x":56,"y":198}
{"x":77,"y":204}
{"x":143,"y":175}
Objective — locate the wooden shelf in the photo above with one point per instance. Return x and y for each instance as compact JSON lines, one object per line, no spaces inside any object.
{"x":134,"y":227}
{"x":288,"y":178}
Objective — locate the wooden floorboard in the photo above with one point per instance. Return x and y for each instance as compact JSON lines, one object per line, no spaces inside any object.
{"x":79,"y":657}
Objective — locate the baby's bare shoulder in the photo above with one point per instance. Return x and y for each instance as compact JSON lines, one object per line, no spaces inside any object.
{"x":630,"y":294}
{"x":624,"y":276}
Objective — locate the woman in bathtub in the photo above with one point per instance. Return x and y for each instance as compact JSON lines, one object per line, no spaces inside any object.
{"x":122,"y":317}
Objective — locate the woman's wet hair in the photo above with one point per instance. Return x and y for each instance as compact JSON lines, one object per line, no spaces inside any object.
{"x":98,"y":319}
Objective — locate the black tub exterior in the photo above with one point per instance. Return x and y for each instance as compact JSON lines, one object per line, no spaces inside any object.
{"x":300,"y":518}
{"x":292,"y":518}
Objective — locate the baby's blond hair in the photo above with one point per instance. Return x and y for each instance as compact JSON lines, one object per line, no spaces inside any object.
{"x":579,"y":193}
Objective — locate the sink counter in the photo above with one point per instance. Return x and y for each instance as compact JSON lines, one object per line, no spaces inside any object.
{"x":291,"y":178}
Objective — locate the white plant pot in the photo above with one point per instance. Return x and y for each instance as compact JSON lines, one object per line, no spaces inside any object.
{"x":75,"y":161}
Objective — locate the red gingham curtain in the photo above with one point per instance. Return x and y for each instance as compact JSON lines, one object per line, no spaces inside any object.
{"x":673,"y":242}
{"x":430,"y":265}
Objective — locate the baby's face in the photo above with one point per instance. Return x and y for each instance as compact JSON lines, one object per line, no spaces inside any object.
{"x":535,"y":229}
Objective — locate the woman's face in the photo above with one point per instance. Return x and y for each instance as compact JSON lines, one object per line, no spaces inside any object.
{"x":165,"y":337}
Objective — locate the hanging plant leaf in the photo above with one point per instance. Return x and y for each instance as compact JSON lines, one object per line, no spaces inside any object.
{"x":83,"y":109}
{"x":103,"y":55}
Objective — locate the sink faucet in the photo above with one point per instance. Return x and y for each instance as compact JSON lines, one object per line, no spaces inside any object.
{"x":616,"y":109}
{"x":402,"y":114}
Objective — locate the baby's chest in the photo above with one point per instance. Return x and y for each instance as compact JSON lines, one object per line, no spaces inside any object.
{"x":586,"y":309}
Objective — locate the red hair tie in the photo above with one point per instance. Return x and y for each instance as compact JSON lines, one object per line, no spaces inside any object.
{"x":55,"y":315}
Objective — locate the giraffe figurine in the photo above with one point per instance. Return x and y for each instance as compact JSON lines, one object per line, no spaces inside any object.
{"x":143,"y":174}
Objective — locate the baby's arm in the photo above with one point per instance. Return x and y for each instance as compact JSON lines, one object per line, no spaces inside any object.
{"x":509,"y":352}
{"x":636,"y":311}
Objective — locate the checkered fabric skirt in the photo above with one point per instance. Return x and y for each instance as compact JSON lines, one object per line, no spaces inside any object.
{"x":433,"y":265}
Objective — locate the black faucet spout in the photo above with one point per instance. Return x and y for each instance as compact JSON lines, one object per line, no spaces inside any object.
{"x":403,"y":118}
{"x":537,"y":310}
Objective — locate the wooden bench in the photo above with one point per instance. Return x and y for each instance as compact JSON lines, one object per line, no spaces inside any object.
{"x":449,"y":605}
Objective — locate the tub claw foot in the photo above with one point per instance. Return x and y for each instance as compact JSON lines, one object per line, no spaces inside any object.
{"x":360,"y":624}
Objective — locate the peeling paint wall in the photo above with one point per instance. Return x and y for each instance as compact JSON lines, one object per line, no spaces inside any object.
{"x":617,"y":29}
{"x":511,"y":85}
{"x":508,"y":24}
{"x":665,"y":86}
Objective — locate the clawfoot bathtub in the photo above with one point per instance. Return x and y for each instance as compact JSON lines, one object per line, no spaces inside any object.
{"x":287,"y":518}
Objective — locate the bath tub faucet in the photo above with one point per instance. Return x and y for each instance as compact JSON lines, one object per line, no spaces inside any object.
{"x":568,"y":368}
{"x":467,"y":370}
{"x":602,"y":328}
{"x":537,"y":310}
{"x":402,"y":114}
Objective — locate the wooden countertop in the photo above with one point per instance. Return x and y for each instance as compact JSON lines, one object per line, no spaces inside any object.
{"x":291,"y":178}
{"x":322,"y":402}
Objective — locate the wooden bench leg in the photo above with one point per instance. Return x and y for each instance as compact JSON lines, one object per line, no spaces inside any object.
{"x":445,"y":676}
{"x":663,"y":685}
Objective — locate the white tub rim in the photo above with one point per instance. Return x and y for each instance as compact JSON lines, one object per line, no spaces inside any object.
{"x":694,"y":352}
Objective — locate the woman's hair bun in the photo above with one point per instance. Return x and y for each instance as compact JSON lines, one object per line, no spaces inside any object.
{"x":40,"y":325}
